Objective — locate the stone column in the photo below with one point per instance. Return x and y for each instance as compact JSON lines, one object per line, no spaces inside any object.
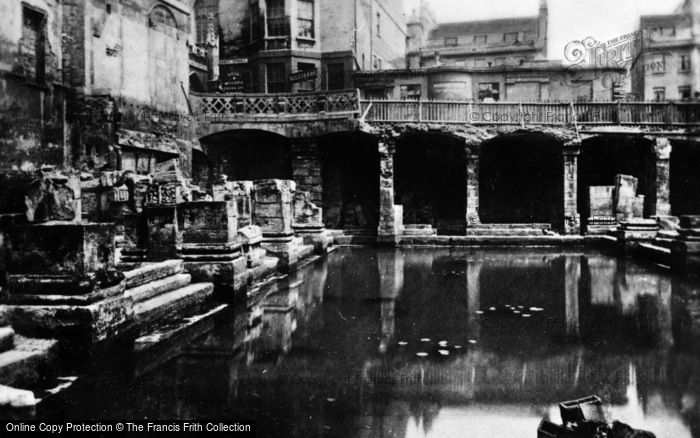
{"x":390,"y":215}
{"x":661,"y":193}
{"x":306,"y":168}
{"x":572,"y":219}
{"x":472,"y":153}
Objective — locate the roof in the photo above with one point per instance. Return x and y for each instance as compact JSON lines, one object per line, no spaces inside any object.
{"x":646,"y":21}
{"x":480,"y":27}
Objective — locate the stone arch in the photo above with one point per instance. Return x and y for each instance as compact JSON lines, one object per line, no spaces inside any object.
{"x":248,"y":155}
{"x":521,"y":179}
{"x":430,"y":180}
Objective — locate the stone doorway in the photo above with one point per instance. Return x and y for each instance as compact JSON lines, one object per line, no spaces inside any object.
{"x":431,"y":181}
{"x":521,"y":181}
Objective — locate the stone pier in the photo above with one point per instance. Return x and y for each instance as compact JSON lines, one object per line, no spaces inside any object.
{"x":572,"y":219}
{"x":472,"y":154}
{"x":306,"y":168}
{"x":273,"y":213}
{"x":661,"y":200}
{"x":390,"y":215}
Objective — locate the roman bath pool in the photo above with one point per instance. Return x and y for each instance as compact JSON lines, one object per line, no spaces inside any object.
{"x":427,"y":343}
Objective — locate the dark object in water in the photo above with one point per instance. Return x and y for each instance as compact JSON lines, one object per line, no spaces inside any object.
{"x":584,"y":418}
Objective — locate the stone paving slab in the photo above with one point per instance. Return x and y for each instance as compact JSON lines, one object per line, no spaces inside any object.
{"x":152,"y":271}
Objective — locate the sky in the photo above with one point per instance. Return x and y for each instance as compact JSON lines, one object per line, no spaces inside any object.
{"x":569,"y":20}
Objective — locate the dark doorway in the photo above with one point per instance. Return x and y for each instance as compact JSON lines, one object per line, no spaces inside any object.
{"x":602,"y":158}
{"x":685,"y":178}
{"x":350,"y":175}
{"x":522,"y":180}
{"x":431,"y":181}
{"x":248,"y":155}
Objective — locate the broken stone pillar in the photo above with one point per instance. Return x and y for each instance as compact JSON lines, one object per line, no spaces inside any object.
{"x":668,"y":230}
{"x":602,"y":215}
{"x":306,"y":168}
{"x":308,"y":222}
{"x":243,"y":196}
{"x":572,"y":219}
{"x":661,"y":200}
{"x":390,"y":215}
{"x":162,"y":235}
{"x":210,"y":246}
{"x":624,"y":197}
{"x":472,"y":185}
{"x":685,"y":250}
{"x":54,"y":196}
{"x":273,"y":213}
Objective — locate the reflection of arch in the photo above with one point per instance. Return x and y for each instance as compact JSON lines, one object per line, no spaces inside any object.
{"x":350,"y":173}
{"x":603,"y":157}
{"x":521,"y":179}
{"x":430,"y":180}
{"x":248,"y":155}
{"x":161,"y":15}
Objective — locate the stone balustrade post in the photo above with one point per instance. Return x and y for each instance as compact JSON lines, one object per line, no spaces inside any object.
{"x":390,"y":215}
{"x":661,"y":193}
{"x":473,"y":162}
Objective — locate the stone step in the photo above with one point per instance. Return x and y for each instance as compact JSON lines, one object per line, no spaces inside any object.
{"x":176,"y":303}
{"x":28,"y":362}
{"x":355,"y":240}
{"x":511,"y":226}
{"x":158,"y":287}
{"x":505,"y":232}
{"x":7,"y":338}
{"x":153,"y":271}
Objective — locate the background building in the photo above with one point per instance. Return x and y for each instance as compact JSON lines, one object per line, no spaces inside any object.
{"x":274,"y":46}
{"x":666,"y":68}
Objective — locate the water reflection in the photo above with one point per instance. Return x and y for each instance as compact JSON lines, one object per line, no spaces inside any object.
{"x":440,"y":343}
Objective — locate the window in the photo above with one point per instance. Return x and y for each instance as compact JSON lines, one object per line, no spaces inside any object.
{"x":685,"y":62}
{"x":160,"y":15}
{"x":375,"y":94}
{"x":480,"y":39}
{"x":451,"y":41}
{"x":305,"y":19}
{"x":659,"y":94}
{"x":529,"y":35}
{"x":33,"y":44}
{"x":205,"y":13}
{"x":336,"y":76}
{"x":309,"y":85}
{"x":668,"y":31}
{"x":480,"y":63}
{"x":276,"y":20}
{"x":379,"y":24}
{"x":377,"y":62}
{"x":276,"y":78}
{"x":684,"y":92}
{"x":489,"y":91}
{"x":410,"y":92}
{"x":510,"y":37}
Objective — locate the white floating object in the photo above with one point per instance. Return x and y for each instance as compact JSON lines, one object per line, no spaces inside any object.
{"x":492,"y":308}
{"x":458,"y":347}
{"x":526,"y":315}
{"x":472,"y":341}
{"x":442,"y":343}
{"x":402,"y":343}
{"x":516,"y":311}
{"x":330,"y":399}
{"x":425,"y":340}
{"x":422,"y":354}
{"x":479,"y":312}
{"x":444,"y":352}
{"x":536,"y":309}
{"x":520,"y":307}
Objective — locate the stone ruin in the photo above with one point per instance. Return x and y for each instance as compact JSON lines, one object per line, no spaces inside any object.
{"x":53,"y":196}
{"x":613,"y":205}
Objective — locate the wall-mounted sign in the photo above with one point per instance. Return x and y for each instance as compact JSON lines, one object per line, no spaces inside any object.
{"x":232,"y":82}
{"x":303,"y":76}
{"x":233,"y":61}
